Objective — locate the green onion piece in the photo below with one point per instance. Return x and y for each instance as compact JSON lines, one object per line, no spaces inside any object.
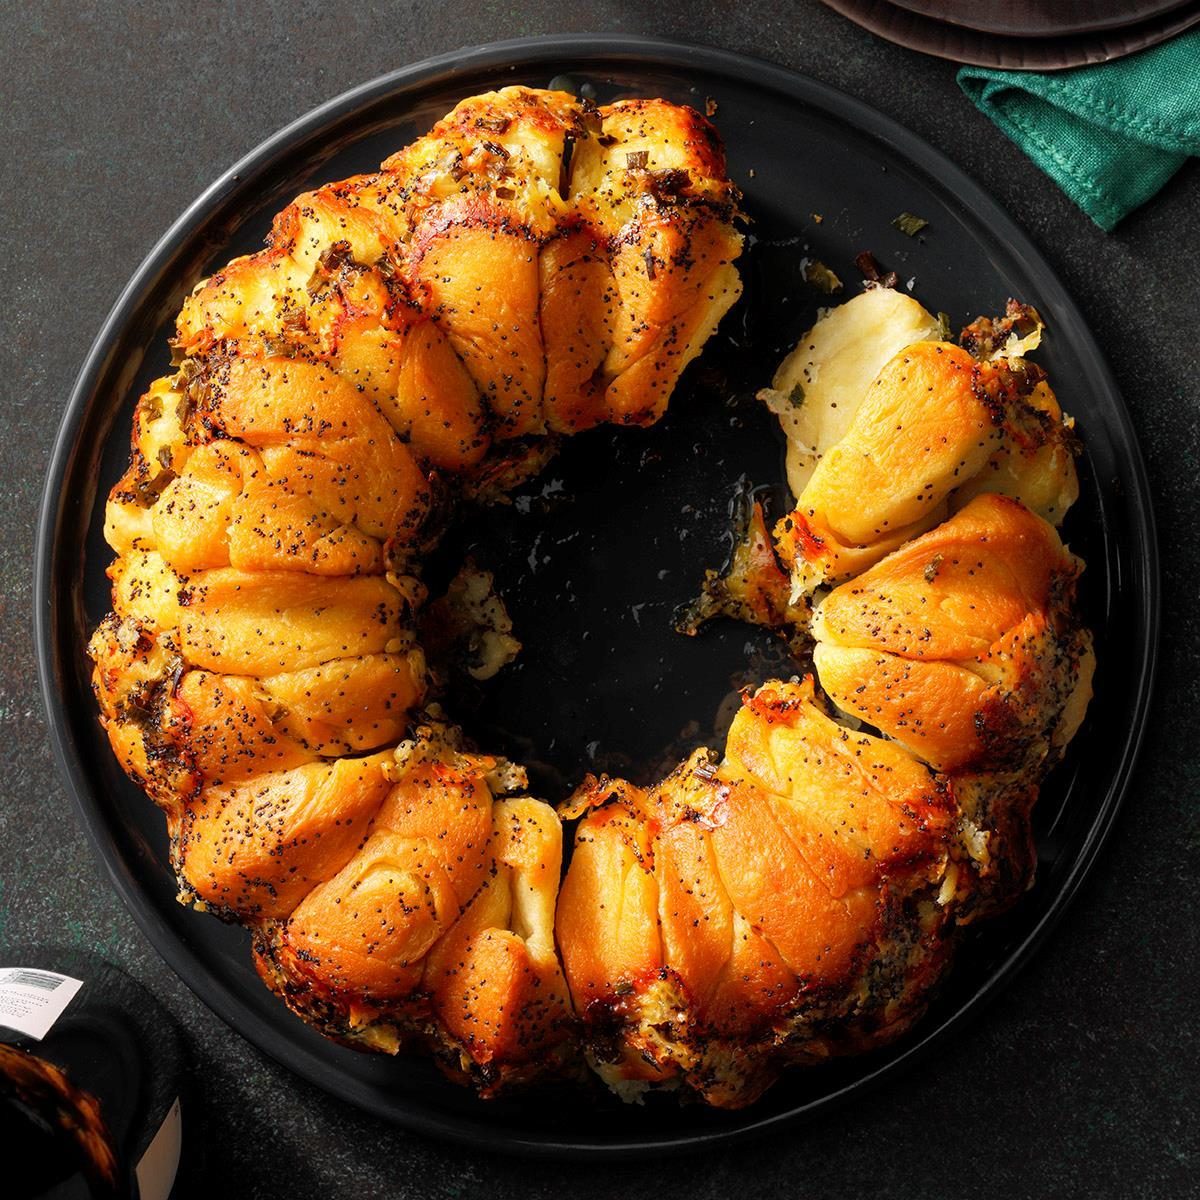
{"x":821,"y":277}
{"x":909,"y":225}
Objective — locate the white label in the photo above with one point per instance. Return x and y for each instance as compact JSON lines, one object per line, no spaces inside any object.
{"x":31,"y":1001}
{"x":156,"y":1172}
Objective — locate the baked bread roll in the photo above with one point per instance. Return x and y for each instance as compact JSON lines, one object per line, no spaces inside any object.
{"x":818,"y":387}
{"x":893,"y":454}
{"x":964,"y":645}
{"x":800,"y":895}
{"x":416,"y":927}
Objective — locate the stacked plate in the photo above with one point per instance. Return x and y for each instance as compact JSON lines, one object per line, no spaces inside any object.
{"x":1036,"y":35}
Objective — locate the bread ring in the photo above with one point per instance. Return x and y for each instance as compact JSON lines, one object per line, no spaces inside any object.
{"x":532,"y":267}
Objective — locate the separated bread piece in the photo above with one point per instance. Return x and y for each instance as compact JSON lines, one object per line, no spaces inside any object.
{"x":713,"y":927}
{"x":876,"y":464}
{"x":963,"y":645}
{"x":439,"y":923}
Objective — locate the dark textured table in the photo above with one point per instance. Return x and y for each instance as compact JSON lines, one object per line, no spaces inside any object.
{"x":1080,"y":1080}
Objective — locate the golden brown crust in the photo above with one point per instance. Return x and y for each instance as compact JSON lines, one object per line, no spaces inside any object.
{"x":962,"y":645}
{"x":800,"y":898}
{"x":434,"y":285}
{"x":441,"y":924}
{"x":258,"y":848}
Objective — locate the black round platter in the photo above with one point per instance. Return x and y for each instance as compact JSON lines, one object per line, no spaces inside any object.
{"x":595,"y":555}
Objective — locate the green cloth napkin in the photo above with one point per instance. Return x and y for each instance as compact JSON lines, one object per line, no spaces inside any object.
{"x":1109,"y":135}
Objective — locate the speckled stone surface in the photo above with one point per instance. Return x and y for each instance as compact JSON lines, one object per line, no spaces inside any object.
{"x":1080,"y":1080}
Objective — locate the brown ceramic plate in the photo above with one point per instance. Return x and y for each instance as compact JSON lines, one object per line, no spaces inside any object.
{"x":983,"y":49}
{"x":1044,"y":18}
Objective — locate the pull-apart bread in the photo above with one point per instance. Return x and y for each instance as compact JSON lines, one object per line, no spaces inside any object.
{"x":532,"y":267}
{"x":798,"y":895}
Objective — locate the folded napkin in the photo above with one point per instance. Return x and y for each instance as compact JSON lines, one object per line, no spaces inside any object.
{"x":1109,"y":135}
